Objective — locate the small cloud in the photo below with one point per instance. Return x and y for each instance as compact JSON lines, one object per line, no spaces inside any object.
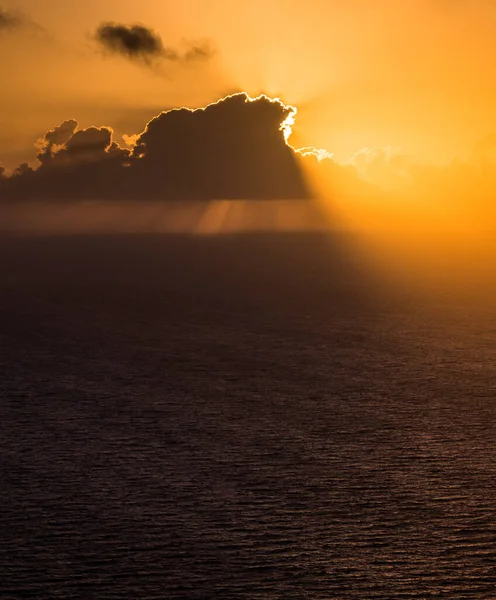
{"x":387,"y":167}
{"x":198,"y":52}
{"x":319,"y":153}
{"x":140,"y":43}
{"x":55,"y":139}
{"x":66,"y":144}
{"x":136,"y":42}
{"x":10,"y":20}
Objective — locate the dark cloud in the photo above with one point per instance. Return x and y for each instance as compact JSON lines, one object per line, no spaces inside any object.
{"x":232,"y":149}
{"x":16,"y":20}
{"x":137,"y":42}
{"x":23,"y":169}
{"x":132,"y":41}
{"x":54,"y":139}
{"x":10,"y":20}
{"x":85,"y":146}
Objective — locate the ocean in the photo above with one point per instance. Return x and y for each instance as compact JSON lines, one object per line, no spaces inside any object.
{"x":254,"y":416}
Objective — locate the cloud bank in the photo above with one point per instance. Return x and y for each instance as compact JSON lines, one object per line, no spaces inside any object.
{"x":232,"y":149}
{"x":238,"y":148}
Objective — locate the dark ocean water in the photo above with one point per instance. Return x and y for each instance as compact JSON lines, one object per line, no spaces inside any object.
{"x":239,"y":417}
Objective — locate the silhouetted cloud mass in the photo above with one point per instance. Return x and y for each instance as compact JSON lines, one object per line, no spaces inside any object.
{"x":232,"y":149}
{"x":138,"y":42}
{"x":23,"y":169}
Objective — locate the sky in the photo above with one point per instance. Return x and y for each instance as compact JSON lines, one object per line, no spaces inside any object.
{"x":383,"y":113}
{"x":414,"y":75}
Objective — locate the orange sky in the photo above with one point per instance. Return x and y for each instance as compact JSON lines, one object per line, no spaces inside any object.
{"x":415,"y":74}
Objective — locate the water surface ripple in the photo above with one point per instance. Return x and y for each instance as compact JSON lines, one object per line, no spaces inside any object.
{"x":238,"y":419}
